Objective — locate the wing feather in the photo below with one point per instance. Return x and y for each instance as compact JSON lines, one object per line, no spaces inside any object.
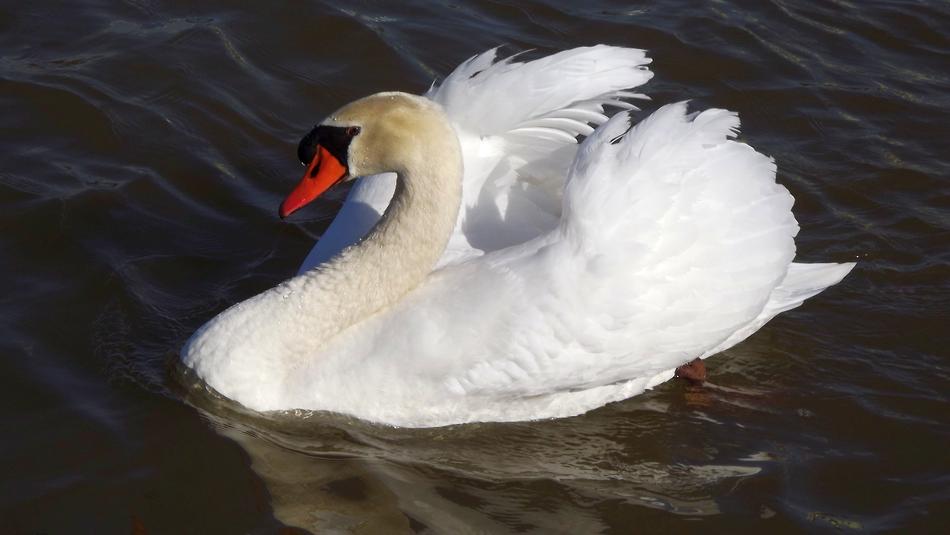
{"x":673,"y":237}
{"x":518,"y":123}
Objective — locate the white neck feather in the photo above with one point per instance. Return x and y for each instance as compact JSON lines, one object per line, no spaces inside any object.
{"x":240,"y":350}
{"x":396,"y":255}
{"x":393,"y":258}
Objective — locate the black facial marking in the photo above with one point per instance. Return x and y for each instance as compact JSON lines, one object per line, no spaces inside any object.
{"x":336,"y":139}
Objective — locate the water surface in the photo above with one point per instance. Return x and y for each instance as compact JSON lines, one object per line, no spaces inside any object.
{"x":147,"y":145}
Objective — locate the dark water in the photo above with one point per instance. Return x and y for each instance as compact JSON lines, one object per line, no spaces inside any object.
{"x":146,"y":146}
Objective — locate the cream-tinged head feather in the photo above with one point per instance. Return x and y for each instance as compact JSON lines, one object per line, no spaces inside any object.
{"x":398,"y":132}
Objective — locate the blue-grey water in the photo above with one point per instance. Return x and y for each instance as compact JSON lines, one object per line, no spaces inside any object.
{"x":147,"y":144}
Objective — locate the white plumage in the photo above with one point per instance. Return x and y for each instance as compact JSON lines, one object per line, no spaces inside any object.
{"x":574,"y":276}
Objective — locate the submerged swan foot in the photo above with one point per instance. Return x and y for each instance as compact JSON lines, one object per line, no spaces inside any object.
{"x":694,"y":371}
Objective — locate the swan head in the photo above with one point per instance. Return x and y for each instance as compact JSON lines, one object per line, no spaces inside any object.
{"x":385,"y":132}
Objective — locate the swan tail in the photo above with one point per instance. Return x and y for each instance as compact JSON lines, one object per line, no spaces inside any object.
{"x":802,"y":282}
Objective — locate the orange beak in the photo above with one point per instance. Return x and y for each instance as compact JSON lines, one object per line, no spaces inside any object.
{"x":323,"y":172}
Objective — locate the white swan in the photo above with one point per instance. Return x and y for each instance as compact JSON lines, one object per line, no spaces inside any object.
{"x":570,"y":277}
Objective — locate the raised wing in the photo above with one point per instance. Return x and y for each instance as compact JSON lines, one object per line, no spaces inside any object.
{"x":673,"y":238}
{"x":518,"y":123}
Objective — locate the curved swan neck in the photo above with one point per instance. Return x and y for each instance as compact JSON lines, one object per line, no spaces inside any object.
{"x":404,"y":246}
{"x":278,"y":329}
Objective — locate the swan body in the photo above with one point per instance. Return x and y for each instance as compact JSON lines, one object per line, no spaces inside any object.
{"x":489,"y":268}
